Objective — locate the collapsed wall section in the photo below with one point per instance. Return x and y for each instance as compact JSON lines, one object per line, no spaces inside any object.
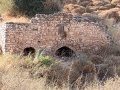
{"x":52,"y":17}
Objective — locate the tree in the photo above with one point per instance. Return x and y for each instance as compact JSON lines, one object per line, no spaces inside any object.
{"x":28,"y":7}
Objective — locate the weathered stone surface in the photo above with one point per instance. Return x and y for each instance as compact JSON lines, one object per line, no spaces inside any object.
{"x":42,"y":32}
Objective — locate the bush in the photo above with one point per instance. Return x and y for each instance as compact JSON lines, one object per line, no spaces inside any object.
{"x":31,"y":7}
{"x":28,"y":7}
{"x":45,"y":60}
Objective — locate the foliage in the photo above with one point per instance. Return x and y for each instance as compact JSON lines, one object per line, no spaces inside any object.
{"x":28,"y":7}
{"x":45,"y":60}
{"x":31,"y":7}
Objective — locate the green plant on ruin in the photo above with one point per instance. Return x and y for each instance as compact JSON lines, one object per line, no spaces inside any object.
{"x":44,"y":60}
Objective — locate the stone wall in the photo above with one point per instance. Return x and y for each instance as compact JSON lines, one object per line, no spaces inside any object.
{"x":41,"y":31}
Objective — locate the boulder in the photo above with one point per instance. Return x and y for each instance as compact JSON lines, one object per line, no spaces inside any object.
{"x":111,"y":13}
{"x":118,"y":13}
{"x":74,"y":9}
{"x":92,"y":8}
{"x":92,"y":17}
{"x":115,"y":2}
{"x":109,"y":5}
{"x":100,"y":2}
{"x":86,"y":3}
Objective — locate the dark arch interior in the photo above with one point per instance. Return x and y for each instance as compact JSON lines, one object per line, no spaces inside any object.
{"x":65,"y":52}
{"x":29,"y":51}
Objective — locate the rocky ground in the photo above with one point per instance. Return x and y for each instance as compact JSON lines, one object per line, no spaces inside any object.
{"x":107,"y":10}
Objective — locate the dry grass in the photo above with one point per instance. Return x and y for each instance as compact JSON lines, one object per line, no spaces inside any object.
{"x":7,"y":62}
{"x":114,"y":31}
{"x":6,"y":17}
{"x":110,"y":84}
{"x":5,"y":6}
{"x":15,"y":77}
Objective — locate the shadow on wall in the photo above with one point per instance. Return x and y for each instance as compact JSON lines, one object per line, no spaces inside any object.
{"x":65,"y":52}
{"x":29,"y":51}
{"x":1,"y":50}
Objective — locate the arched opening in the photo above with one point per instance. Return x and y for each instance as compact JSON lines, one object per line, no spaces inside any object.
{"x":29,"y":51}
{"x":65,"y":52}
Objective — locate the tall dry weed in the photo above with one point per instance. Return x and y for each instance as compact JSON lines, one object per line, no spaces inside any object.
{"x":16,"y":78}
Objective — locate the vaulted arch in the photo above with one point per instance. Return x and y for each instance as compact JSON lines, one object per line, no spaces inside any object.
{"x":65,"y":52}
{"x":29,"y":51}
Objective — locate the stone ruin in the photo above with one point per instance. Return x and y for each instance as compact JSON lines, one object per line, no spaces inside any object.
{"x":59,"y":34}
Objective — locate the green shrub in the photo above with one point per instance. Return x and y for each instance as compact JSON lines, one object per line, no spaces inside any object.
{"x":45,"y":60}
{"x":28,"y":7}
{"x":31,"y":7}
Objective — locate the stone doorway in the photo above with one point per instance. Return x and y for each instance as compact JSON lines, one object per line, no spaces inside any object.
{"x":29,"y":51}
{"x":65,"y":52}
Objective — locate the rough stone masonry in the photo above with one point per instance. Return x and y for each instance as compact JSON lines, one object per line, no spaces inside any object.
{"x":43,"y":32}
